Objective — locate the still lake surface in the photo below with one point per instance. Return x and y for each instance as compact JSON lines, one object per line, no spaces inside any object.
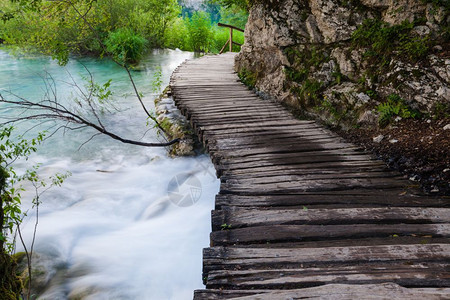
{"x":111,"y":231}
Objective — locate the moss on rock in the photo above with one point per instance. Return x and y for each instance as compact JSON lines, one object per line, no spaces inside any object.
{"x":10,"y":284}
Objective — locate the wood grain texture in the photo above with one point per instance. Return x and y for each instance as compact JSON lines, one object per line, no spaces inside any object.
{"x":301,"y":213}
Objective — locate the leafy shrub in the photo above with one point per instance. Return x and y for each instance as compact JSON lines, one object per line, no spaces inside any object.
{"x":126,"y":46}
{"x":309,"y":91}
{"x":441,"y":110}
{"x":247,"y":77}
{"x":200,"y":32}
{"x":177,"y":35}
{"x":384,"y":40}
{"x":395,"y":107}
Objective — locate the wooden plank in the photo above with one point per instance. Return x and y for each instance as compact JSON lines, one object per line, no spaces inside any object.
{"x":212,"y":294}
{"x":287,"y":152}
{"x":303,"y":166}
{"x":368,"y":242}
{"x":252,"y":145}
{"x":230,"y":258}
{"x":303,"y":139}
{"x":413,"y":274}
{"x":308,"y":160}
{"x":277,"y":178}
{"x":386,"y":291}
{"x":288,"y":233}
{"x":284,"y":126}
{"x":316,"y":186}
{"x":360,"y":198}
{"x":241,"y":217}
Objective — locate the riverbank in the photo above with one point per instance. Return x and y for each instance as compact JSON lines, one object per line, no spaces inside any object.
{"x":175,"y":126}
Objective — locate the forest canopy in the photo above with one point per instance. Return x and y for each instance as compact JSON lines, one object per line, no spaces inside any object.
{"x":121,"y":28}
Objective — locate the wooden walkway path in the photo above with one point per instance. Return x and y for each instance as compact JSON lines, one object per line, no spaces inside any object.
{"x":301,"y":213}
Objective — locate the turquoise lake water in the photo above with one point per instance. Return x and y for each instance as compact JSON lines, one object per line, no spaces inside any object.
{"x":111,"y":232}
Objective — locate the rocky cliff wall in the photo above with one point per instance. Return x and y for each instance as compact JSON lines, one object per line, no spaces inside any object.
{"x":350,"y":63}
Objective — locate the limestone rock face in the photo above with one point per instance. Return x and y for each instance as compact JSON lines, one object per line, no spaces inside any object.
{"x":302,"y":52}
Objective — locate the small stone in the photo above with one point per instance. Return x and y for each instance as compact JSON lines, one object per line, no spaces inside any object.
{"x":398,"y":119}
{"x":414,"y":178}
{"x":437,"y":48}
{"x":421,"y":30}
{"x":446,"y":170}
{"x":378,"y":139}
{"x":363,"y":97}
{"x":368,"y":117}
{"x":447,"y":127}
{"x":435,"y":189}
{"x":393,"y":141}
{"x":428,"y":121}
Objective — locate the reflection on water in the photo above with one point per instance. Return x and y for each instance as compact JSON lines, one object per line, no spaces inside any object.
{"x":112,"y":231}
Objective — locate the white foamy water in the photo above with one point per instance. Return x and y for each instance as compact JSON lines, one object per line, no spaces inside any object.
{"x":111,"y":231}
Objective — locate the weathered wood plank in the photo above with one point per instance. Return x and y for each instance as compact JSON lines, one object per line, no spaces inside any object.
{"x":368,"y":242}
{"x":359,"y":198}
{"x":385,"y":291}
{"x":279,"y":178}
{"x":240,"y":217}
{"x":302,"y":166}
{"x":317,"y":185}
{"x":285,"y":233}
{"x":230,"y":258}
{"x":412,"y":274}
{"x":301,"y":206}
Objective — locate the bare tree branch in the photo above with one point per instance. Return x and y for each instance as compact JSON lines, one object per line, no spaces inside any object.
{"x":61,"y":113}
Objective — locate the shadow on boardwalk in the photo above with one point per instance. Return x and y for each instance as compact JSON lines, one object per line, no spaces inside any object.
{"x":301,"y":213}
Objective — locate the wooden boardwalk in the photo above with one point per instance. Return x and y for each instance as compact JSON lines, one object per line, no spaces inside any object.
{"x":301,"y":213}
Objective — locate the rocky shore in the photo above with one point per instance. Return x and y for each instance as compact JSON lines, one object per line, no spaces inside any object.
{"x":175,"y":126}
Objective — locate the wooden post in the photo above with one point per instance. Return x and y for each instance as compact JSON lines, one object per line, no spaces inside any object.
{"x":231,"y":39}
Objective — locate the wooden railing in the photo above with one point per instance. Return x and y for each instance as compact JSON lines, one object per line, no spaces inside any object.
{"x":230,"y":41}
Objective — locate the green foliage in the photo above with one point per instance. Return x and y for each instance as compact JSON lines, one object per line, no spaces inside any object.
{"x":226,"y":226}
{"x":10,"y":284}
{"x":177,"y":35}
{"x":200,"y":32}
{"x":10,"y":198}
{"x":157,"y":81}
{"x":126,"y":46}
{"x":12,"y":149}
{"x":395,"y":107}
{"x":438,"y":3}
{"x":372,"y":94}
{"x":242,"y":4}
{"x":221,"y":36}
{"x":247,"y":77}
{"x":233,"y":15}
{"x":100,"y":92}
{"x":441,"y":110}
{"x":296,"y":75}
{"x":308,"y":92}
{"x":59,"y":28}
{"x":304,"y":62}
{"x":384,"y":41}
{"x":119,"y":26}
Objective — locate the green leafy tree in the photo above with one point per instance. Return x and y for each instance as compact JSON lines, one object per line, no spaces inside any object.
{"x":126,"y":46}
{"x":200,"y":32}
{"x":234,"y":15}
{"x":242,"y":4}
